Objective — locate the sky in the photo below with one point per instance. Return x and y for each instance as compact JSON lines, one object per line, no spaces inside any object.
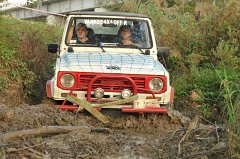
{"x":12,"y":2}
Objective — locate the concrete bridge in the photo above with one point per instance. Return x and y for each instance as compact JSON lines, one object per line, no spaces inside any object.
{"x":55,"y":7}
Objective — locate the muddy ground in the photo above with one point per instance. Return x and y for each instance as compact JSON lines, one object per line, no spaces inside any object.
{"x":129,"y":135}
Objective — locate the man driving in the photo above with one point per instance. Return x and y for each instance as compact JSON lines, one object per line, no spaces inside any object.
{"x":82,"y":32}
{"x":81,"y":35}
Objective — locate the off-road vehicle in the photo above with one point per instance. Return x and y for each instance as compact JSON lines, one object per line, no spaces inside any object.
{"x":105,"y":69}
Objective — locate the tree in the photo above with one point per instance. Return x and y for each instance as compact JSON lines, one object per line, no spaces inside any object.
{"x":1,"y":3}
{"x":31,"y":3}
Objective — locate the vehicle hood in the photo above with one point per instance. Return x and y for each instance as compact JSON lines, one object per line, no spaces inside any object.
{"x":111,"y":63}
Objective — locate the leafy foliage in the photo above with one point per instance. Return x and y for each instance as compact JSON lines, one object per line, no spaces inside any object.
{"x":23,"y":55}
{"x":32,"y":3}
{"x":204,"y":38}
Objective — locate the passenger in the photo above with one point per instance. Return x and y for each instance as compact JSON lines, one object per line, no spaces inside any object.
{"x":82,"y":32}
{"x":125,"y":33}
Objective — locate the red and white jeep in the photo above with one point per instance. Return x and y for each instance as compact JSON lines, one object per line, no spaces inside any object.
{"x":104,"y":68}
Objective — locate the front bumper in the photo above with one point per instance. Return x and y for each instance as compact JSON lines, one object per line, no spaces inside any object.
{"x":124,"y":109}
{"x":164,"y":98}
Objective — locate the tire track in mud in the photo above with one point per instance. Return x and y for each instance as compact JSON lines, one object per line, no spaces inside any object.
{"x":131,"y":135}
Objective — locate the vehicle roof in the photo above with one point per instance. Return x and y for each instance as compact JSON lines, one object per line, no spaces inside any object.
{"x":109,"y":14}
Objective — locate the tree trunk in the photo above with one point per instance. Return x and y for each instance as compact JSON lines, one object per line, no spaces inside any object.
{"x":42,"y":131}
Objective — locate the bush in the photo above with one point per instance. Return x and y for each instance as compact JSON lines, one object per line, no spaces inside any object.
{"x":205,"y":51}
{"x":23,"y":55}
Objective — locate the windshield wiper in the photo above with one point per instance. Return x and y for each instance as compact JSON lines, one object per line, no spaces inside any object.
{"x":135,"y":46}
{"x":132,"y":46}
{"x":99,"y":44}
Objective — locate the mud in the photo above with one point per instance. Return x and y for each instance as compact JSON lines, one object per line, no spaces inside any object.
{"x":131,"y":136}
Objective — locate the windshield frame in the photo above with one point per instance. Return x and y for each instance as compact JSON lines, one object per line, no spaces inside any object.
{"x":73,"y":19}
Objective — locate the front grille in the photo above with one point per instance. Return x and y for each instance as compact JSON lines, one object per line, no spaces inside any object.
{"x":111,"y":85}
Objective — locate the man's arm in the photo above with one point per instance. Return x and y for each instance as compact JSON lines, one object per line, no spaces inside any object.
{"x":70,"y":33}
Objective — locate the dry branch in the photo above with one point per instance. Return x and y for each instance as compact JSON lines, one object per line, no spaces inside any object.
{"x":118,"y":102}
{"x":36,"y":154}
{"x":86,"y":105}
{"x":24,"y":148}
{"x":42,"y":131}
{"x":204,"y":153}
{"x":193,"y":125}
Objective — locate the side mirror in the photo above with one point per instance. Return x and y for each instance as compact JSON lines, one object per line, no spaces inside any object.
{"x":53,"y":48}
{"x":163,"y":52}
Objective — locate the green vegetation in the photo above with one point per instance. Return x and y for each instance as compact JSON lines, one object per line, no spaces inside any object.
{"x":23,"y":55}
{"x":204,"y":40}
{"x":231,"y":94}
{"x":31,"y":3}
{"x":203,"y":37}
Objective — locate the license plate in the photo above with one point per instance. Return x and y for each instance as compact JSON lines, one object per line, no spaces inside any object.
{"x":146,"y":102}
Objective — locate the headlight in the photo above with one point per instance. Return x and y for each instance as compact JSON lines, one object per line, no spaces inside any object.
{"x":156,"y":84}
{"x":67,"y":80}
{"x":126,"y":93}
{"x":99,"y":93}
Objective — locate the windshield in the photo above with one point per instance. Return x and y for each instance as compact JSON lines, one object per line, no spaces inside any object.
{"x":108,"y":32}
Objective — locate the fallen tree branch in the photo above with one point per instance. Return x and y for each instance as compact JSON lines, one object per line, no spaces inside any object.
{"x":25,"y":148}
{"x":7,"y":144}
{"x":86,"y":105}
{"x":207,"y":152}
{"x":216,"y":130}
{"x":206,"y":120}
{"x":192,"y":125}
{"x":100,"y":130}
{"x":174,"y":133}
{"x":115,"y":101}
{"x":36,"y":154}
{"x":45,"y":131}
{"x":118,"y":102}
